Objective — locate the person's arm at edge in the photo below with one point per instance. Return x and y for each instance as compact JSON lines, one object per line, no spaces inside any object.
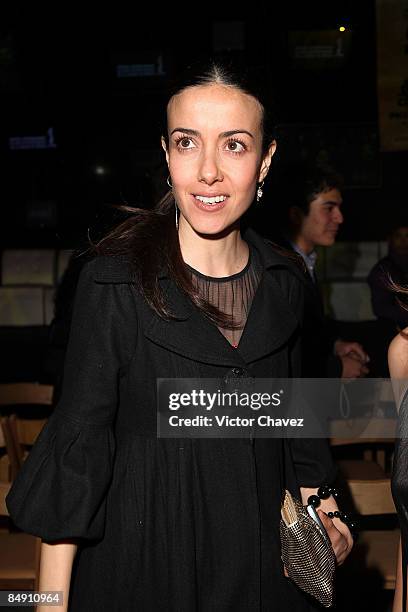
{"x":397,"y":605}
{"x":55,"y":569}
{"x":398,"y":365}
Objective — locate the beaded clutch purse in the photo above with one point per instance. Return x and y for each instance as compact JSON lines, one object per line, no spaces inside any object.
{"x":306,"y":551}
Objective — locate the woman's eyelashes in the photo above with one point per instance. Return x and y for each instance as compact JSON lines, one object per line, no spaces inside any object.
{"x":232,"y":145}
{"x":236,"y":146}
{"x":184,"y":143}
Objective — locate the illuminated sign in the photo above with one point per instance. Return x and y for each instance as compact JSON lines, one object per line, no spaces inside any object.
{"x":30,"y":143}
{"x":126,"y":71}
{"x":319,"y":49}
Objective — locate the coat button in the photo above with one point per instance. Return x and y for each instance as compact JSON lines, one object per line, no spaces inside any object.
{"x":235,"y":373}
{"x":238,"y":372}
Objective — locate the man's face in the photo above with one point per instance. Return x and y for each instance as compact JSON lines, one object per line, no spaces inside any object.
{"x":399,"y":241}
{"x":320,"y":226}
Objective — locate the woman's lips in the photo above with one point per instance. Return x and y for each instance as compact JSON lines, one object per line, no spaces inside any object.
{"x":209,"y":206}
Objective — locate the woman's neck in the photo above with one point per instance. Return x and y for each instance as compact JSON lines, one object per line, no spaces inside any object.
{"x":216,"y":256}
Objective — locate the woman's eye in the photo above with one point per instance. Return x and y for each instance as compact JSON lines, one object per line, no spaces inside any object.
{"x":185,"y":143}
{"x":235,"y":146}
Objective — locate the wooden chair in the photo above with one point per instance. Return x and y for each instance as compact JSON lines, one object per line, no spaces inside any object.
{"x":375,"y":437}
{"x":368,"y":483}
{"x":23,"y":431}
{"x":19,"y":552}
{"x":6,"y":449}
{"x":25,"y":393}
{"x":373,"y":441}
{"x":376,"y":549}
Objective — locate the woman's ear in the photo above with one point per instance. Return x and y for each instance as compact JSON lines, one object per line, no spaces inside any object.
{"x":164,"y":147}
{"x":266,"y":162}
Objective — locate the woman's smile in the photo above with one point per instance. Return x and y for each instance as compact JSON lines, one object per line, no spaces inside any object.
{"x":210,"y":204}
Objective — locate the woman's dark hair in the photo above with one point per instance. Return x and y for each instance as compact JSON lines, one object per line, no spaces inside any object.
{"x":401,"y":292}
{"x":148,"y":238}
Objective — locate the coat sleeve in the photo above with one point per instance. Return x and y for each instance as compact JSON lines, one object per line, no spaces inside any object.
{"x":61,"y":490}
{"x":312,"y":458}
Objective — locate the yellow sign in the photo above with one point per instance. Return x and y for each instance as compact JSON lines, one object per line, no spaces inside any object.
{"x":392,"y":62}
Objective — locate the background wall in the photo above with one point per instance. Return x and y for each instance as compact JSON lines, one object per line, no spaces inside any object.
{"x":82,"y":107}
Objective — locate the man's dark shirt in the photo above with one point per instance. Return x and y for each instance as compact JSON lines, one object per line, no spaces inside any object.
{"x":319,"y":332}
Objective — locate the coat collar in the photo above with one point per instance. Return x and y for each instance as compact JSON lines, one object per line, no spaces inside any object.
{"x":272,"y":257}
{"x":270,"y":322}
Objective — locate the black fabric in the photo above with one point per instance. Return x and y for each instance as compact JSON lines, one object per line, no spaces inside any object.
{"x":232,"y":295}
{"x":319,"y":331}
{"x":165,"y":524}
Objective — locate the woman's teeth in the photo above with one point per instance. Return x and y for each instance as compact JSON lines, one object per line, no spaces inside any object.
{"x":215,"y":200}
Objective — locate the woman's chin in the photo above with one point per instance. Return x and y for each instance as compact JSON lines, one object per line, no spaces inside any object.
{"x":214,"y":230}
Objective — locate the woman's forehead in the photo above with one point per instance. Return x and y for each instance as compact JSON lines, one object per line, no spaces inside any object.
{"x":216,"y":106}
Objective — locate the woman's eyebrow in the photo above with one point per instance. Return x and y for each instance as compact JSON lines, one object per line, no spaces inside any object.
{"x":224,"y":134}
{"x":186,"y":131}
{"x":232,"y":132}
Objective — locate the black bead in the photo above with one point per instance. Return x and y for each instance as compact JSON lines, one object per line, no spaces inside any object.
{"x":330,"y":514}
{"x":337,"y":514}
{"x":351,"y":525}
{"x":334,"y":492}
{"x":345,"y":517}
{"x":324,"y":492}
{"x":314,"y":500}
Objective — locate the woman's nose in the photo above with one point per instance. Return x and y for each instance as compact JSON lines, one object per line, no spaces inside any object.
{"x":209,"y":170}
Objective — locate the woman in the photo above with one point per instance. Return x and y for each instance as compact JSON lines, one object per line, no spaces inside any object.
{"x":167,"y":524}
{"x":398,"y":365}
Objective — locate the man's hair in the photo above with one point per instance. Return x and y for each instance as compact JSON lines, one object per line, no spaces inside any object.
{"x":397,"y":224}
{"x":300,"y":184}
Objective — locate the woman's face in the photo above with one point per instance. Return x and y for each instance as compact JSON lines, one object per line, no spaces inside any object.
{"x":214,"y":155}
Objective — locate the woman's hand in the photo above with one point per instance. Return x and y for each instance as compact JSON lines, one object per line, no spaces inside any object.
{"x":338,"y":532}
{"x":340,"y":536}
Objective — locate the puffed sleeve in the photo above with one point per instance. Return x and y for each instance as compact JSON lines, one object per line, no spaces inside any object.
{"x":61,"y":490}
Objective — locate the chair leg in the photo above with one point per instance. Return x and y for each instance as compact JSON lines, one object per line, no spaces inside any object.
{"x":15,"y":463}
{"x":18,"y":451}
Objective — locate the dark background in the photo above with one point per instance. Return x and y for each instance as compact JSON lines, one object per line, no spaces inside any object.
{"x":58,"y":69}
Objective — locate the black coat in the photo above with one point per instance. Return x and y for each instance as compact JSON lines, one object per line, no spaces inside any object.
{"x":166,"y":524}
{"x":319,"y":335}
{"x":319,"y":331}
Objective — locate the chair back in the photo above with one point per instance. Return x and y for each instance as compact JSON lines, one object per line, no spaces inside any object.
{"x":20,"y":432}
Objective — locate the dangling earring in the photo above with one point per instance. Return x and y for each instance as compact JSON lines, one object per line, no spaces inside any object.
{"x":259,"y":192}
{"x":177,"y":216}
{"x":169,"y":183}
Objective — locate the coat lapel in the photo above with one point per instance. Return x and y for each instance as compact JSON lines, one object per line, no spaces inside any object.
{"x":270,"y":322}
{"x":191,"y":334}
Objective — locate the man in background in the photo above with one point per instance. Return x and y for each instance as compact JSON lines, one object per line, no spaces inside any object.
{"x":313,"y":214}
